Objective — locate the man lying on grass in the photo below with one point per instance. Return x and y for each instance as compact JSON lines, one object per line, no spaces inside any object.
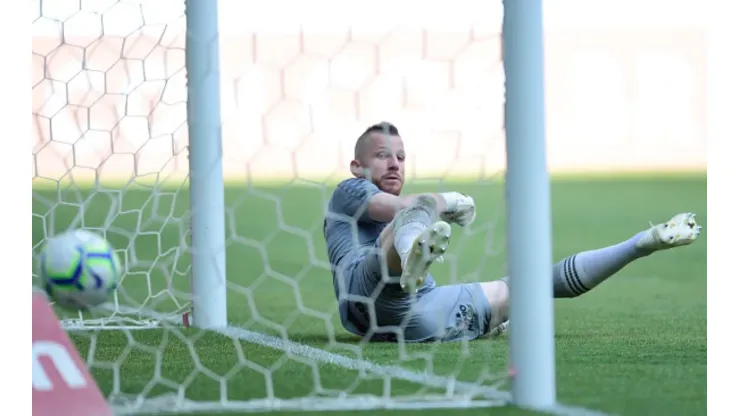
{"x":381,"y":246}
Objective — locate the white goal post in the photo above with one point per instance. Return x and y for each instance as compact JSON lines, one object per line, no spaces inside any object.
{"x":208,"y":239}
{"x":205,"y":308}
{"x":532,"y":333}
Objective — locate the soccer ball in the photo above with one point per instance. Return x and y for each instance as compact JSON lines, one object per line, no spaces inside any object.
{"x":79,"y":269}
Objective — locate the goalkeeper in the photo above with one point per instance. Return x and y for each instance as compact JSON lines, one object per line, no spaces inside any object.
{"x":381,"y":245}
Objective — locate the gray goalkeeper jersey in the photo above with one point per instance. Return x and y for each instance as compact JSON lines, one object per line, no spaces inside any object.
{"x":448,"y":312}
{"x":348,"y":227}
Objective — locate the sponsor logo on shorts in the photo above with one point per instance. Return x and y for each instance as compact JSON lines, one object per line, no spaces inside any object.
{"x":466,"y":318}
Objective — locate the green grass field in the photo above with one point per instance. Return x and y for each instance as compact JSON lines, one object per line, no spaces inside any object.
{"x":636,"y":345}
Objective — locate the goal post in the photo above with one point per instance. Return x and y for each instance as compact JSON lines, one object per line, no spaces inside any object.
{"x":529,"y":236}
{"x":208,"y":239}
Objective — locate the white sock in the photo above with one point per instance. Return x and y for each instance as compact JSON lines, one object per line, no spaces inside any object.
{"x":579,"y":273}
{"x":411,"y":222}
{"x":404,"y":238}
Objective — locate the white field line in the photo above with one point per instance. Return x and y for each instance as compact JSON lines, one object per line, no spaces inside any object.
{"x":394,"y":372}
{"x":453,"y":388}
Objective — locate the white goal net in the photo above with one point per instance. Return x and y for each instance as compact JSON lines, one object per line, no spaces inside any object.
{"x":110,"y":153}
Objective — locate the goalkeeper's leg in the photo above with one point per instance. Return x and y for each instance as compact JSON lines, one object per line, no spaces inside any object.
{"x":379,"y":311}
{"x":378,"y":287}
{"x":414,"y":240}
{"x":581,"y":272}
{"x":408,"y":246}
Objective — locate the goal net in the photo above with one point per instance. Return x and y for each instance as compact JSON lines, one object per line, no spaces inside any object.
{"x":111,"y":154}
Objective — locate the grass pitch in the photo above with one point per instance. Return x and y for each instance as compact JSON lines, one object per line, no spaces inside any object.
{"x":636,"y":345}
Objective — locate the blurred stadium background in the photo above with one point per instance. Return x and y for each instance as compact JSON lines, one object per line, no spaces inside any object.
{"x":625,"y":80}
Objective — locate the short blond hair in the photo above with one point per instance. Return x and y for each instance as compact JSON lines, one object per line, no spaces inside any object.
{"x":383,"y":127}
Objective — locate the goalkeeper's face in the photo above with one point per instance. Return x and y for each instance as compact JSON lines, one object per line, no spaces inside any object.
{"x":385,"y":159}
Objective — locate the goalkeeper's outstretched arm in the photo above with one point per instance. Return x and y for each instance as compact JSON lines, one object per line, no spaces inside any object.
{"x":383,"y":206}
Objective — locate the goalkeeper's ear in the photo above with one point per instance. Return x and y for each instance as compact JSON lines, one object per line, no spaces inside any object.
{"x":356,"y":168}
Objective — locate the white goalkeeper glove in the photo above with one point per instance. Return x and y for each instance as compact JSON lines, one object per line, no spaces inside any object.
{"x":460,"y":209}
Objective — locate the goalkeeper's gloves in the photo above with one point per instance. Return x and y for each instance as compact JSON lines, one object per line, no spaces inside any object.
{"x":460,"y":209}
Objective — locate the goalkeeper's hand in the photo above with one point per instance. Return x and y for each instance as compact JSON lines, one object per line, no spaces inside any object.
{"x":460,"y":209}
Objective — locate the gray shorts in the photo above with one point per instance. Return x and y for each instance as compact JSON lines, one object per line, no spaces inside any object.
{"x":379,"y":310}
